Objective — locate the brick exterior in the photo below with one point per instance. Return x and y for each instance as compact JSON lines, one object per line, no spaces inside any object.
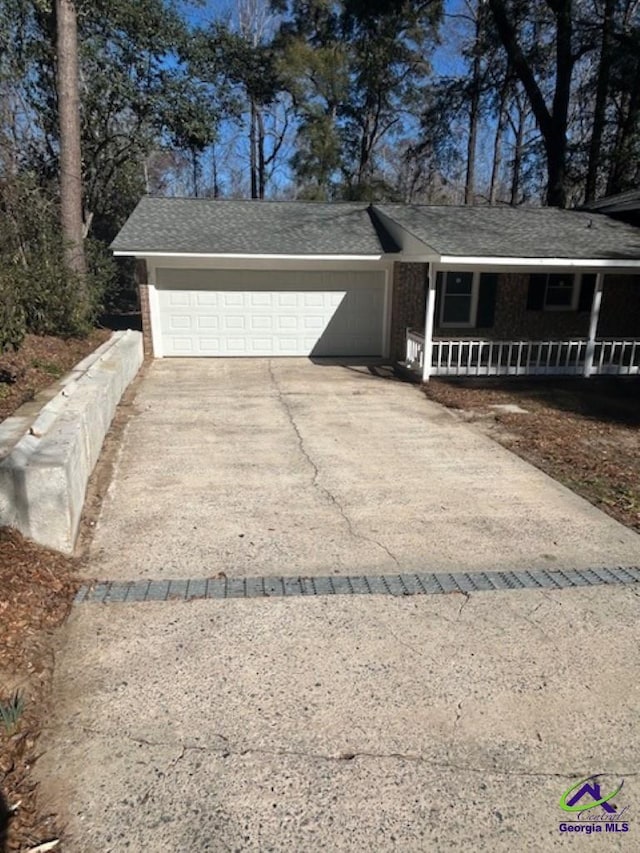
{"x":408,"y":305}
{"x":620,"y":308}
{"x":143,"y":289}
{"x":618,"y":314}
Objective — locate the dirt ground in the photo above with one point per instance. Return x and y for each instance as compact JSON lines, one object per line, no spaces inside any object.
{"x":39,"y":362}
{"x":584,"y":433}
{"x":37,"y":587}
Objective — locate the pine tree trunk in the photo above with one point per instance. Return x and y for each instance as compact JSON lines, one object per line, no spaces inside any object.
{"x":70,"y":152}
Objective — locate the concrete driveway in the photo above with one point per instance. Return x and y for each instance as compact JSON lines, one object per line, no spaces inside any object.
{"x":262,"y":467}
{"x":337,"y":723}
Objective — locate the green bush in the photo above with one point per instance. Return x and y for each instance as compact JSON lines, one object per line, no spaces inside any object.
{"x":12,"y":319}
{"x":37,"y":293}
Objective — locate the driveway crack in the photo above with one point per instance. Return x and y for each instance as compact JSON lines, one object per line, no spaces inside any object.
{"x":346,"y":756}
{"x":315,"y":482}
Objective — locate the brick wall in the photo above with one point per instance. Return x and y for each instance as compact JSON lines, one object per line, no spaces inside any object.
{"x":512,"y":321}
{"x":143,"y":289}
{"x":408,"y":305}
{"x":620,"y":307}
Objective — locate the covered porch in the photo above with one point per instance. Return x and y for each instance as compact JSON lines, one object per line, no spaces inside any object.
{"x":571,"y":321}
{"x":472,"y":357}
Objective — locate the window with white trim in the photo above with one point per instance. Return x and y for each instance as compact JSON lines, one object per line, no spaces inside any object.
{"x":459,"y":298}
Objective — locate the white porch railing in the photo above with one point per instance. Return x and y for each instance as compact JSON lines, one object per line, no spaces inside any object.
{"x":415,"y":350}
{"x":464,"y":357}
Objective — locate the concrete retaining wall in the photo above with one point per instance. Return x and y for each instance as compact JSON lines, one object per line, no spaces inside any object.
{"x":47,"y":454}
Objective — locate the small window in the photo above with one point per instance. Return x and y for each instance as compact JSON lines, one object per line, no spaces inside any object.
{"x":555,"y":291}
{"x":560,"y":292}
{"x":459,"y":299}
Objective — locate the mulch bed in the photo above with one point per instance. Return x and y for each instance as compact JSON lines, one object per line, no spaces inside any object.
{"x":39,"y":362}
{"x":583,"y":433}
{"x":37,"y":587}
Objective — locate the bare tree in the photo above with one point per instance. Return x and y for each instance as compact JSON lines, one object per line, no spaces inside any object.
{"x":256,"y":23}
{"x":552,"y":118}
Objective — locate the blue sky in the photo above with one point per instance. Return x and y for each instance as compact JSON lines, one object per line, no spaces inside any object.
{"x":446,"y":61}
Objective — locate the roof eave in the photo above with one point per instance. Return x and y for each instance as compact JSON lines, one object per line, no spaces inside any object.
{"x":141,"y":253}
{"x":526,"y":263}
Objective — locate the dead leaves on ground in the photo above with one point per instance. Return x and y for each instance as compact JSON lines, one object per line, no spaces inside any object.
{"x":37,"y":587}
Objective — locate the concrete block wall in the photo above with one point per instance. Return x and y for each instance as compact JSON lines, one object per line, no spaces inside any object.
{"x":46,"y":458}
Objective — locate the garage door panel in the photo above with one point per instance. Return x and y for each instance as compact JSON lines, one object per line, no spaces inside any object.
{"x":206,"y":322}
{"x":260,"y":313}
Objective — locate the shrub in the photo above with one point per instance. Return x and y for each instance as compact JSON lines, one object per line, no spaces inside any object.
{"x":40,"y":295}
{"x":12,"y":318}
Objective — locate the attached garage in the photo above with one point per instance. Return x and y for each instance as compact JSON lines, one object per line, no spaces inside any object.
{"x":248,"y":312}
{"x":257,"y":278}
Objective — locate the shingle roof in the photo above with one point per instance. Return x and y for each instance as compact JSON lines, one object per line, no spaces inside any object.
{"x":516,"y":232}
{"x":208,"y":226}
{"x":628,"y":201}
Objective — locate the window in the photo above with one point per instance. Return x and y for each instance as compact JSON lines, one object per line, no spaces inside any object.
{"x":560,"y":292}
{"x":459,"y":298}
{"x":556,"y":291}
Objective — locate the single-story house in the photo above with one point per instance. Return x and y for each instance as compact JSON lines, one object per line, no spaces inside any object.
{"x":443,"y":289}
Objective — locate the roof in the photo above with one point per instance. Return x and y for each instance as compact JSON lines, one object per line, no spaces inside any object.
{"x":186,"y":226}
{"x":211,"y":226}
{"x":627,"y":202}
{"x":516,"y":232}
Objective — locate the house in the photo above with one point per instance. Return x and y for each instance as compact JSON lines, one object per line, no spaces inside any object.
{"x":624,"y":206}
{"x":445,"y":290}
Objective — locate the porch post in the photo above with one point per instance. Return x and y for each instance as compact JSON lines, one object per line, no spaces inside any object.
{"x":593,"y":325}
{"x":428,"y":322}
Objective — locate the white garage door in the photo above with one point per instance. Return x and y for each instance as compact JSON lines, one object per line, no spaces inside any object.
{"x":261,"y":313}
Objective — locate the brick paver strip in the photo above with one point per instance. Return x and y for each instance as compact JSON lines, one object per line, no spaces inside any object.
{"x":417,"y":583}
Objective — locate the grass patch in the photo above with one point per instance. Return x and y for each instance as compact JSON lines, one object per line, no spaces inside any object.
{"x":10,"y":713}
{"x":51,"y":368}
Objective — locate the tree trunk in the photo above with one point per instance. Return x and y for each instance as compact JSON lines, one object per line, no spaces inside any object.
{"x":262,"y":169}
{"x":214,"y":167}
{"x":474,"y":114}
{"x":497,"y":142}
{"x":253,"y":159}
{"x":70,"y":153}
{"x":194,"y":171}
{"x":552,"y":122}
{"x":517,"y":159}
{"x":623,"y":154}
{"x":602,"y":90}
